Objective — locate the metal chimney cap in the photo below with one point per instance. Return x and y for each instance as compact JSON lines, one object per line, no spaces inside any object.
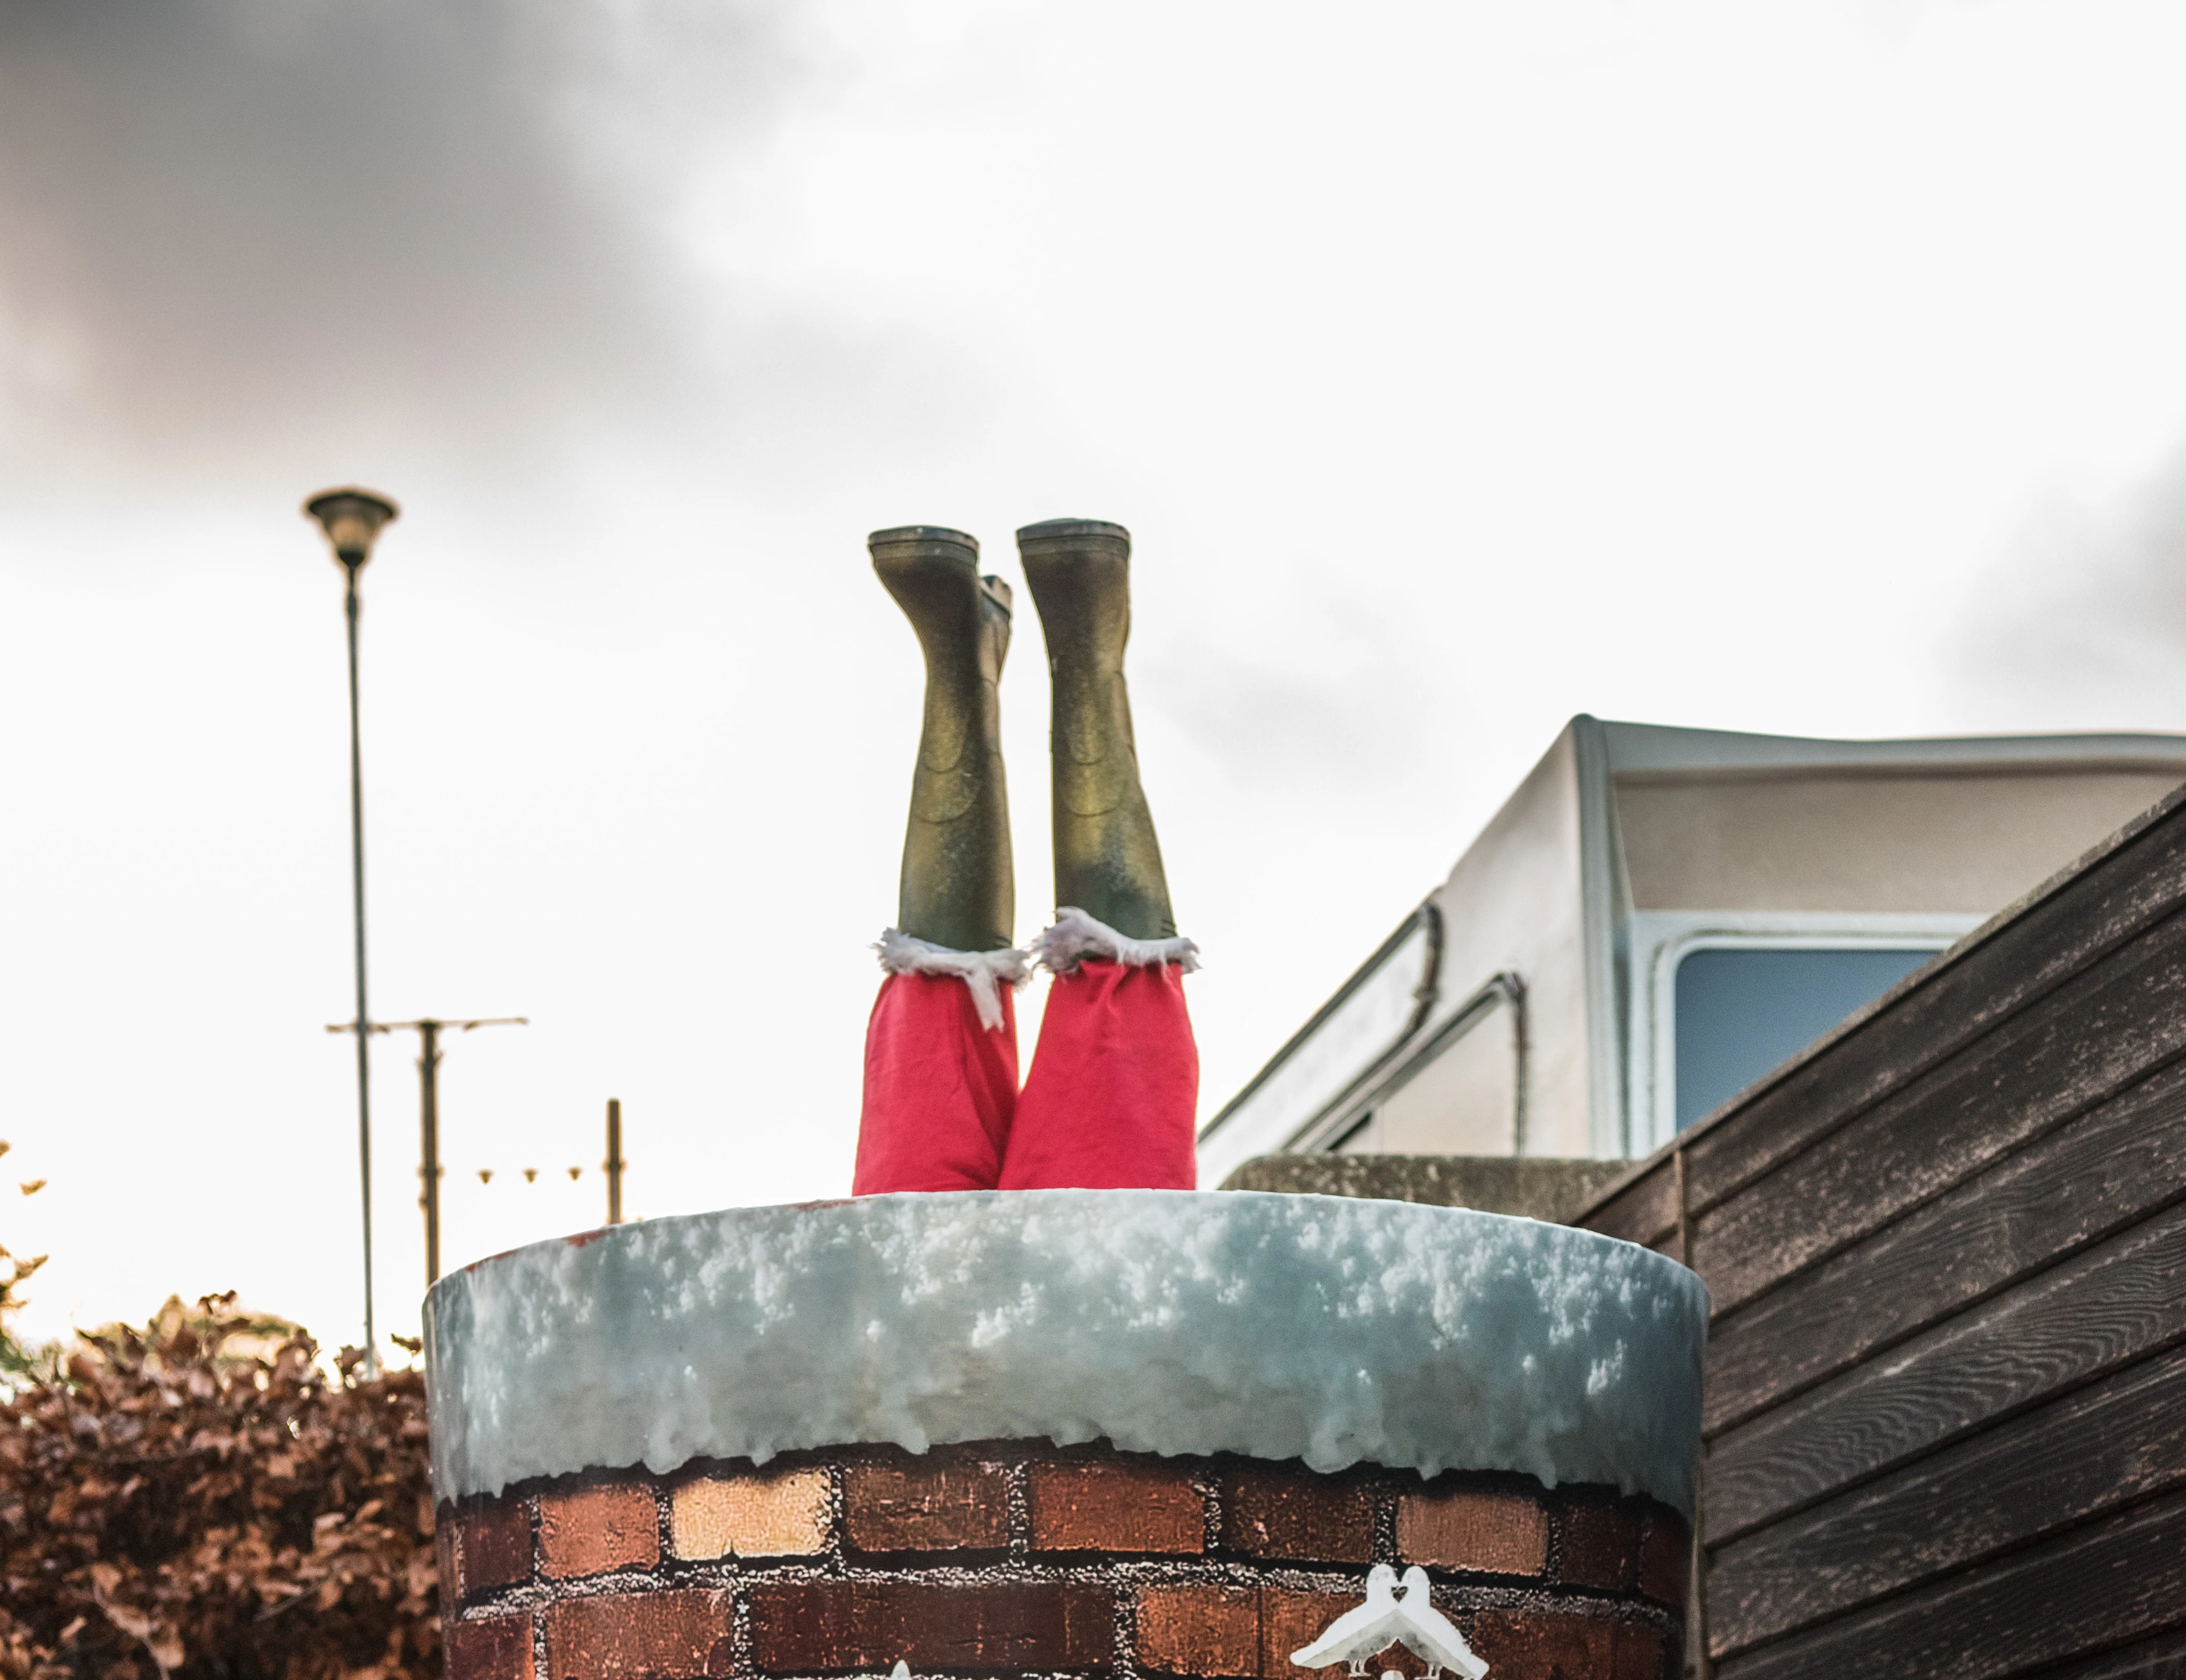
{"x":351,"y":518}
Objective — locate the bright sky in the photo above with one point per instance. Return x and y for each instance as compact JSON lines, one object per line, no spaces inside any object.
{"x":1811,"y":367}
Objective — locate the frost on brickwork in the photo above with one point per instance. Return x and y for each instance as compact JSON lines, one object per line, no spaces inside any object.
{"x":1320,"y":1328}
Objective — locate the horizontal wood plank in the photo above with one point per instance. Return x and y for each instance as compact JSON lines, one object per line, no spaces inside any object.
{"x":2162,"y":1658}
{"x":2119,"y":1302}
{"x":2115,"y":1580}
{"x":2139,"y":882}
{"x":2108,"y":1028}
{"x":1998,"y":1489}
{"x":2088,"y":1178}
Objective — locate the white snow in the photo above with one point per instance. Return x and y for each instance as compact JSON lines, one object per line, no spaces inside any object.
{"x":1332,"y":1330}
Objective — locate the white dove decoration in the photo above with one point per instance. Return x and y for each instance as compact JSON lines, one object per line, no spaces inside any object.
{"x":1430,"y":1635}
{"x":1388,"y":1618}
{"x":1357,"y":1634}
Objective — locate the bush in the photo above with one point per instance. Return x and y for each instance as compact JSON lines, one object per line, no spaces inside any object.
{"x":16,"y":1362}
{"x":202,"y":1500}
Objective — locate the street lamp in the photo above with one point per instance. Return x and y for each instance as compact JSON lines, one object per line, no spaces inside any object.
{"x":352,"y":519}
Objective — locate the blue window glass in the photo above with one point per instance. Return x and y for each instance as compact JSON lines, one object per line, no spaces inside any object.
{"x":1742,"y":1010}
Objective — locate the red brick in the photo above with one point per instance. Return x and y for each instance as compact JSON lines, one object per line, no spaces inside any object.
{"x":1666,"y":1560}
{"x":497,"y":1648}
{"x":1463,"y":1529}
{"x":1104,"y":1505}
{"x":1297,"y":1515}
{"x":444,"y":1555}
{"x":807,"y":1628}
{"x":617,"y":1526}
{"x":1639,"y":1653}
{"x":1600,"y":1546}
{"x":625,"y":1636}
{"x":493,"y":1547}
{"x":952,"y":1506}
{"x":1200,"y":1630}
{"x":1526,"y":1645}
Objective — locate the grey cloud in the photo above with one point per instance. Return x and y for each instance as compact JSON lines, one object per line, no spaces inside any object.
{"x":1347,"y":703}
{"x":2082,"y":623}
{"x":225,"y":219}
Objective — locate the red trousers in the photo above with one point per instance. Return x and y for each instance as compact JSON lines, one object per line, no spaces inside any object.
{"x":1109,"y":1105}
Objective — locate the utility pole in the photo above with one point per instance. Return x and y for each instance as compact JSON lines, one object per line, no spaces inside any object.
{"x":429,"y":1112}
{"x":613,"y":1164}
{"x":352,"y":519}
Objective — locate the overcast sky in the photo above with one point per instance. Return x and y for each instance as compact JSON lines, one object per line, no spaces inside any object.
{"x":1810,"y":367}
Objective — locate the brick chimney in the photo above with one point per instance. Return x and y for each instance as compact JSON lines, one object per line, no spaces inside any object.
{"x":1060,"y":1433}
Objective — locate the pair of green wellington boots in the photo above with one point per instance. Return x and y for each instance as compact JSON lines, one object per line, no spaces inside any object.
{"x":958,"y":888}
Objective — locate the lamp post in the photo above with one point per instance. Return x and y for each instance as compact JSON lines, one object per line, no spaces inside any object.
{"x":352,"y":519}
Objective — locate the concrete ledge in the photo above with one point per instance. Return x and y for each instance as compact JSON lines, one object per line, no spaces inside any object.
{"x":1334,"y":1330}
{"x":1553,"y":1190}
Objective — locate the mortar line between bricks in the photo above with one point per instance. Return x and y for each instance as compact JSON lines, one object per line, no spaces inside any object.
{"x":1016,"y":1506}
{"x":1052,"y":1569}
{"x":1384,"y":1542}
{"x":541,"y":1661}
{"x":1207,"y":1479}
{"x":741,"y":1659}
{"x":1454,"y":1596}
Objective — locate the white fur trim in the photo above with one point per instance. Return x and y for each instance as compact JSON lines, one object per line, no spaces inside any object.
{"x":1076,"y":935}
{"x":984,"y":971}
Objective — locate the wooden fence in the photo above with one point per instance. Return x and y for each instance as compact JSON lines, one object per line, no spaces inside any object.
{"x":1946,"y":1402}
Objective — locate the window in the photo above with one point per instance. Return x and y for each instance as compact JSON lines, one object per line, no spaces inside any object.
{"x":1717,"y":997}
{"x":1742,"y":1009}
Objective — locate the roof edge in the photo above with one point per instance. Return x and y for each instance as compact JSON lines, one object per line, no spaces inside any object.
{"x":1640,"y":747}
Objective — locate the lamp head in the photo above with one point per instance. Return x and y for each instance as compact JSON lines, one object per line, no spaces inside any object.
{"x":351,"y":518}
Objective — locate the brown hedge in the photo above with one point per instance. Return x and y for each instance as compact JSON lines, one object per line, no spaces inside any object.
{"x":201,"y":1499}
